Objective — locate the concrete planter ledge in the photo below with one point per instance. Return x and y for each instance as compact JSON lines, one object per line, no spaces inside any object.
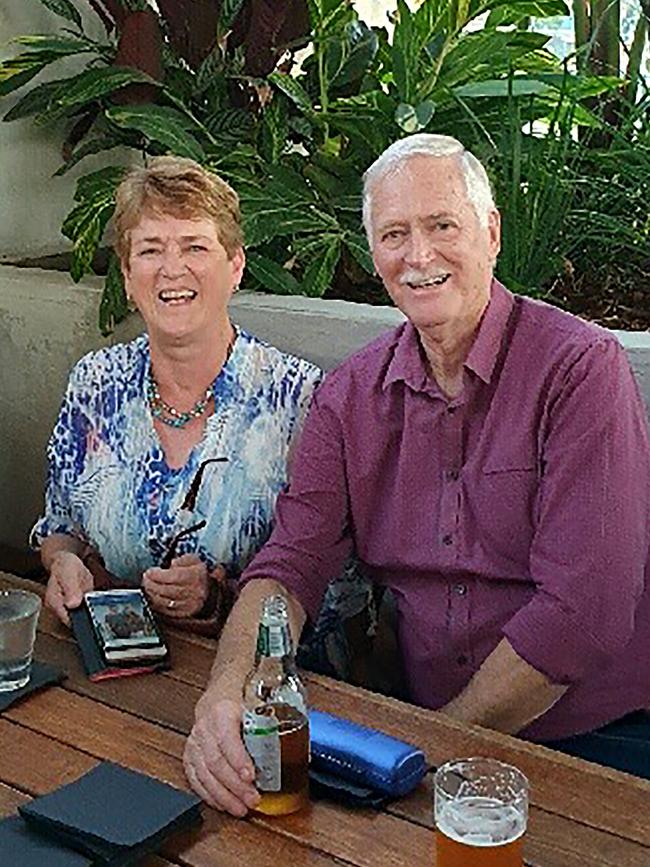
{"x":47,"y":323}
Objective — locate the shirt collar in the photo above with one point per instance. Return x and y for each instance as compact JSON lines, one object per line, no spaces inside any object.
{"x":409,"y":365}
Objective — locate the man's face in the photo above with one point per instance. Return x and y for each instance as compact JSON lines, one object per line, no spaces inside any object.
{"x":435,"y":258}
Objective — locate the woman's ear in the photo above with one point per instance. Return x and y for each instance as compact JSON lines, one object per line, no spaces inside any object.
{"x":237,"y":263}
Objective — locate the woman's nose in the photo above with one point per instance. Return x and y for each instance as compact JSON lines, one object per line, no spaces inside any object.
{"x":173,"y":262}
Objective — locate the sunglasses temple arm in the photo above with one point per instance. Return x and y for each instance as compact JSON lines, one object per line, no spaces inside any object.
{"x":173,"y":545}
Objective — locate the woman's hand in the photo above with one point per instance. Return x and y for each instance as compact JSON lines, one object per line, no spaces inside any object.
{"x":69,"y":580}
{"x":180,"y":591}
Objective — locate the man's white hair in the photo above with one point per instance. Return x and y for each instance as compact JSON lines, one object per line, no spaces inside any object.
{"x":476,"y":180}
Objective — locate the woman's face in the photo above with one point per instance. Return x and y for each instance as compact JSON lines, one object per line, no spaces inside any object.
{"x":179,"y":276}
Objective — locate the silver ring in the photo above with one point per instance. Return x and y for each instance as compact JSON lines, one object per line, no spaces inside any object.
{"x":171,"y":603}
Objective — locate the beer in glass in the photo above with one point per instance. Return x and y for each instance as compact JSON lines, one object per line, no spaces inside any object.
{"x":481,"y":811}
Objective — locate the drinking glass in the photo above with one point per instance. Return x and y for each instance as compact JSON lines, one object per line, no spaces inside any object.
{"x":19,"y":612}
{"x":481,"y":811}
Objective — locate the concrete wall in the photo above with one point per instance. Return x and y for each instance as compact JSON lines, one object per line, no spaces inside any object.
{"x":34,"y":203}
{"x":47,"y":323}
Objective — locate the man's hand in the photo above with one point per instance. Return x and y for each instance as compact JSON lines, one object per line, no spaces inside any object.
{"x":69,"y":580}
{"x":216,"y":763}
{"x":180,"y":591}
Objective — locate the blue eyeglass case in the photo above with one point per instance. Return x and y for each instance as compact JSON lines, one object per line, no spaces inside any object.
{"x":364,"y":756}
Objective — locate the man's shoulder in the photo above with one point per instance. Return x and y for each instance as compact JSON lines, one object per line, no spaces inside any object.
{"x":549,"y":329}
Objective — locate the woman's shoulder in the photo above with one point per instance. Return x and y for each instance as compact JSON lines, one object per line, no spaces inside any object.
{"x":110,"y":364}
{"x":263,"y":361}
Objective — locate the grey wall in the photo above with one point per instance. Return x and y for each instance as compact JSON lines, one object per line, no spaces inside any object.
{"x":47,"y":323}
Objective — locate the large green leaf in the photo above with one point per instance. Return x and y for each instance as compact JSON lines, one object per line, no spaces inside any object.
{"x":266,"y":218}
{"x":320,"y":272}
{"x":95,"y":145}
{"x":65,"y":9}
{"x":357,"y":244}
{"x":513,"y":12}
{"x":229,"y":11}
{"x":36,"y":101}
{"x":275,"y":128}
{"x":502,"y":87}
{"x":96,"y":83}
{"x":161,"y":124}
{"x":59,"y":45}
{"x":293,"y":89}
{"x":271,"y":275}
{"x":349,"y":55}
{"x":11,"y":80}
{"x":113,"y":307}
{"x":404,"y":53}
{"x":85,"y":226}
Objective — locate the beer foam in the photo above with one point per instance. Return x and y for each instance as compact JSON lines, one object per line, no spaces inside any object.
{"x":479,"y":821}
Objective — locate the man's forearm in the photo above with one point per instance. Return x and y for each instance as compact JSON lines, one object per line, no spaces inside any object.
{"x":505,"y":694}
{"x":236,"y":651}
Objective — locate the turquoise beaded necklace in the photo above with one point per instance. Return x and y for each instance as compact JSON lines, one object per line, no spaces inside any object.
{"x":168,"y":414}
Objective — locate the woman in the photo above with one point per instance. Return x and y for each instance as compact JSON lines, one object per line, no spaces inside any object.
{"x":188,"y":426}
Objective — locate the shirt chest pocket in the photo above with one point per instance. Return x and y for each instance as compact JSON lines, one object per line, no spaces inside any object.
{"x":503,"y":498}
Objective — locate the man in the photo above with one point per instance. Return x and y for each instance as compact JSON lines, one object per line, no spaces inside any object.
{"x":488,"y":461}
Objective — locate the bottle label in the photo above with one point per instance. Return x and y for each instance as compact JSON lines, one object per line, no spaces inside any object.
{"x":262,"y":740}
{"x":273,"y":641}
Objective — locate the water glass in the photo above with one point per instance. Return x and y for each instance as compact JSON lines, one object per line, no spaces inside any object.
{"x":19,"y":612}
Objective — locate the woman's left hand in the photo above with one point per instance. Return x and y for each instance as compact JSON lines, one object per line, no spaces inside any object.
{"x":180,"y":591}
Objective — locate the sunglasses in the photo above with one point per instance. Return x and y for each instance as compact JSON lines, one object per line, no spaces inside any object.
{"x":185,"y":512}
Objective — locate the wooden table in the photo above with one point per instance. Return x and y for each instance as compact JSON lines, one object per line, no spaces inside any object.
{"x":581,"y":814}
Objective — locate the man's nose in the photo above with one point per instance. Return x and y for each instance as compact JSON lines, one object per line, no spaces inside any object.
{"x":420,"y":249}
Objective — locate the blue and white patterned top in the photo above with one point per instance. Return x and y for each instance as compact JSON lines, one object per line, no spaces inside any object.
{"x":108,"y":481}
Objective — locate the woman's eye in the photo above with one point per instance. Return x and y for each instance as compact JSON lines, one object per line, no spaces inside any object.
{"x":392,"y":235}
{"x":147,"y":251}
{"x":197,"y":248}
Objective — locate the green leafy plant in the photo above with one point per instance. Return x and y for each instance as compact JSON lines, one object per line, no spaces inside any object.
{"x":225,"y":88}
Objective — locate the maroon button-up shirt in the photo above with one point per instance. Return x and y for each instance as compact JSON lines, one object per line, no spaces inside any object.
{"x":520,"y":508}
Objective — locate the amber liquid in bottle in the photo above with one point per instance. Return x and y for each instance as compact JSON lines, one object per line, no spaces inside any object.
{"x":275,"y":724}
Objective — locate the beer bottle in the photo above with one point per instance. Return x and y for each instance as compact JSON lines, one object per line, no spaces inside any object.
{"x":275,"y":724}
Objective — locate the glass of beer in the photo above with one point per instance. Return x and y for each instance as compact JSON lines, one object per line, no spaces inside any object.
{"x":481,"y":811}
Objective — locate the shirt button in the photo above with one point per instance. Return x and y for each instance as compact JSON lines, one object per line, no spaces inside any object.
{"x":453,"y":475}
{"x":448,"y":539}
{"x":462,"y":659}
{"x":460,"y":589}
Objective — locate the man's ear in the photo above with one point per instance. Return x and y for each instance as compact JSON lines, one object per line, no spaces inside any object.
{"x":494,"y":233}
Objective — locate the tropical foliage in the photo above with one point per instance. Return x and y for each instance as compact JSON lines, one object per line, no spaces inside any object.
{"x":209,"y":81}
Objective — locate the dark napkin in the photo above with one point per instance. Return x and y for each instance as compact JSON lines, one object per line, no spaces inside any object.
{"x":41,"y":675}
{"x":113,"y":814}
{"x":20,"y":846}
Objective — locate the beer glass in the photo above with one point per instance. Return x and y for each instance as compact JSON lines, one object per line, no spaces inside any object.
{"x":481,"y":810}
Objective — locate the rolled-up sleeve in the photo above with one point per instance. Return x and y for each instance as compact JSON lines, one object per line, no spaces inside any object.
{"x":590,"y":547}
{"x":65,"y":458}
{"x":311,"y":538}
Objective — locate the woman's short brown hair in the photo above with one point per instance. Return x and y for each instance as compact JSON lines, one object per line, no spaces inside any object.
{"x":182,"y":188}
